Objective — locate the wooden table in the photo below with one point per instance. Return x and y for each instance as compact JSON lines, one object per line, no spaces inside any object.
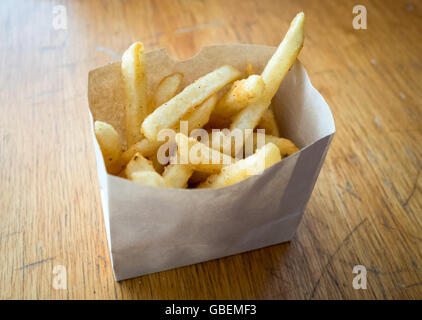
{"x":366,"y":207}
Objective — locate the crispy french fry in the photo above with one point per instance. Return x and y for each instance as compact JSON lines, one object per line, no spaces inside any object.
{"x":166,"y":89}
{"x":141,"y":170}
{"x":168,"y":114}
{"x":133,"y":72}
{"x":274,"y":72}
{"x":237,"y":98}
{"x":249,"y":69}
{"x":150,"y":178}
{"x":268,"y":123}
{"x":199,"y":156}
{"x":177,"y":175}
{"x":285,"y":146}
{"x":138,"y":163}
{"x":242,"y":169}
{"x":109,"y":142}
{"x":145,"y":147}
{"x":200,"y":117}
{"x":196,"y":120}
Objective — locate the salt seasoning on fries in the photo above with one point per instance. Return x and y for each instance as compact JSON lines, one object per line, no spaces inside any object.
{"x":168,"y":114}
{"x":133,"y":73}
{"x":238,"y":97}
{"x":189,"y":160}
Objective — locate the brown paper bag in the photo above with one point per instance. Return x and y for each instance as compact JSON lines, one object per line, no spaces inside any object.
{"x":151,"y":229}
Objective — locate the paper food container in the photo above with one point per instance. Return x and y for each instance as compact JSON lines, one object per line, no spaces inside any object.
{"x":152,"y":229}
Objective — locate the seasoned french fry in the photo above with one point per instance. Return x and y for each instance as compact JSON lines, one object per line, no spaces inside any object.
{"x":200,"y":117}
{"x":168,"y":114}
{"x":249,"y":69}
{"x":237,"y":98}
{"x":145,"y":147}
{"x":242,"y":169}
{"x":268,"y":123}
{"x":274,"y":72}
{"x":177,"y":175}
{"x":138,"y":163}
{"x":109,"y":142}
{"x":285,"y":146}
{"x":199,"y":156}
{"x":133,"y":72}
{"x":167,"y":89}
{"x":140,"y":169}
{"x":150,"y":178}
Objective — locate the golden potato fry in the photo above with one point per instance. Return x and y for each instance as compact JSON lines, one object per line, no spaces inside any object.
{"x":238,"y":97}
{"x":199,"y":156}
{"x":145,"y":147}
{"x":141,"y":170}
{"x":177,"y":175}
{"x":200,"y":117}
{"x":150,"y":178}
{"x":226,"y":142}
{"x":168,"y":114}
{"x":242,"y":169}
{"x":285,"y":146}
{"x":138,"y":163}
{"x":110,"y":145}
{"x":274,"y":72}
{"x":167,"y":89}
{"x":268,"y":123}
{"x":133,"y":73}
{"x":249,"y":69}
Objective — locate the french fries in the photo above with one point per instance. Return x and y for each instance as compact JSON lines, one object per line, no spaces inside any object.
{"x":177,"y":175}
{"x":167,"y":89}
{"x":237,"y":98}
{"x":227,"y":144}
{"x":285,"y":146}
{"x":145,"y":147}
{"x":268,"y":123}
{"x":274,"y":72}
{"x":140,"y":169}
{"x":168,"y":114}
{"x":166,"y":144}
{"x":138,"y":163}
{"x":200,"y":117}
{"x":109,"y":142}
{"x":133,"y":73}
{"x":199,"y":156}
{"x":242,"y":169}
{"x":150,"y":178}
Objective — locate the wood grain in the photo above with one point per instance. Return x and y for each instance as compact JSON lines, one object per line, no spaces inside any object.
{"x":367,"y":204}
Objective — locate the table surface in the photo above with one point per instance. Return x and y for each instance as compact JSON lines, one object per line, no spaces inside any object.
{"x":366,"y":206}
